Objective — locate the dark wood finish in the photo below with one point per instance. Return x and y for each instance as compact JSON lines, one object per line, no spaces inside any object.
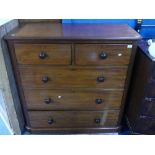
{"x":102,"y":54}
{"x":141,"y":96}
{"x":76,"y":82}
{"x":127,"y":81}
{"x":114,"y":78}
{"x":55,"y":54}
{"x":74,"y":130}
{"x":25,"y":21}
{"x":72,"y":119}
{"x":72,"y":100}
{"x":75,"y":31}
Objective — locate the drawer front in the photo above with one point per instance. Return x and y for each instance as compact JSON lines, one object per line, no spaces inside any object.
{"x":102,"y":54}
{"x":71,"y":119}
{"x":41,"y":77}
{"x":54,"y":54}
{"x":72,"y":100}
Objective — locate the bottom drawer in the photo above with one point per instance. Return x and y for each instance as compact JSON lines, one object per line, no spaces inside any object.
{"x":73,"y":119}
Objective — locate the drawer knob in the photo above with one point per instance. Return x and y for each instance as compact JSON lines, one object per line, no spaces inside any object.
{"x":97,"y":120}
{"x":45,"y":79}
{"x":42,"y":55}
{"x":103,"y":55}
{"x":99,"y":101}
{"x":48,"y":100}
{"x":50,"y":121}
{"x":100,"y":79}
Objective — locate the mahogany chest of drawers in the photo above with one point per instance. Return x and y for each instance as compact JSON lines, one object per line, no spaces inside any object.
{"x":72,"y":78}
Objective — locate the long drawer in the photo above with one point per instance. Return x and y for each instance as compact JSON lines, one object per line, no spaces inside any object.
{"x":54,"y":54}
{"x":71,"y":119}
{"x":102,"y":54}
{"x":72,"y":100}
{"x":50,"y":77}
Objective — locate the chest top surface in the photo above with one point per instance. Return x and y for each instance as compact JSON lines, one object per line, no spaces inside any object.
{"x":74,"y":31}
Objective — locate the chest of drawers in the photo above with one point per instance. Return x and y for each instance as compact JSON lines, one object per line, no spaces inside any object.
{"x":72,"y":78}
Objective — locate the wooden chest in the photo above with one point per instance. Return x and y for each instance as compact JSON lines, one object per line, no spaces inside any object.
{"x":72,"y":78}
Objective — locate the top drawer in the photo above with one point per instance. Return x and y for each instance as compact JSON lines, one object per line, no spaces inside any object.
{"x":55,"y":54}
{"x":102,"y":54}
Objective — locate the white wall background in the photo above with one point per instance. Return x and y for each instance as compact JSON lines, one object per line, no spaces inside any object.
{"x":4,"y":122}
{"x":3,"y":21}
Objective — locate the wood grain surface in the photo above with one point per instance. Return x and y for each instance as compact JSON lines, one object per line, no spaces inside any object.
{"x":55,"y":54}
{"x":72,"y":100}
{"x":73,"y":119}
{"x":31,"y":77}
{"x":91,"y":54}
{"x":74,"y":31}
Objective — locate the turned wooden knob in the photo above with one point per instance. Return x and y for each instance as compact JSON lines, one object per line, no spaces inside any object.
{"x":45,"y":79}
{"x":100,"y":79}
{"x":99,"y":101}
{"x":50,"y":121}
{"x":97,"y":120}
{"x":42,"y":55}
{"x":103,"y":55}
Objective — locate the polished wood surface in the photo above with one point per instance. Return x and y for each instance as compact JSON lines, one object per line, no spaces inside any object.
{"x":74,"y":31}
{"x":66,"y":88}
{"x":72,"y":100}
{"x":91,"y":54}
{"x":31,"y":77}
{"x":77,"y":131}
{"x":55,"y":54}
{"x":73,"y":119}
{"x":24,"y":21}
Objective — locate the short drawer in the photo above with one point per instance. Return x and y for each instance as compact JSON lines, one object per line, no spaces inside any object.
{"x":50,"y":77}
{"x":72,"y":100}
{"x":54,"y":54}
{"x":102,"y":54}
{"x":71,"y":119}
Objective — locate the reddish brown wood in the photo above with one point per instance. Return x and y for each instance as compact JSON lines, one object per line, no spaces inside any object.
{"x":75,"y":130}
{"x":24,"y":21}
{"x":54,"y":54}
{"x":72,"y":119}
{"x":76,"y":82}
{"x":93,"y":54}
{"x":75,"y":31}
{"x":72,"y":100}
{"x":31,"y":77}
